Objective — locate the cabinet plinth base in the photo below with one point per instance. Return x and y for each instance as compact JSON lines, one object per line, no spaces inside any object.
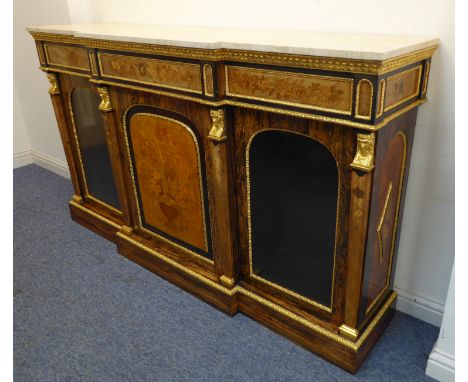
{"x":95,"y":222}
{"x":202,"y":287}
{"x":328,"y":345}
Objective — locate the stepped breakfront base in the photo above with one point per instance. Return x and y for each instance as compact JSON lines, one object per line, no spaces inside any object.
{"x":262,"y":171}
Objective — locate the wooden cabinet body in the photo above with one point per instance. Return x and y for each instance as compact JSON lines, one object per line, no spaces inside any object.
{"x":267,"y":183}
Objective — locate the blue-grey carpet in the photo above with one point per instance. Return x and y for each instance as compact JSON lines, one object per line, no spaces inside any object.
{"x":82,"y":312}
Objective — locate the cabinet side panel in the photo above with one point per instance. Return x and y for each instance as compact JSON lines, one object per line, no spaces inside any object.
{"x":60,"y":111}
{"x":382,"y":234}
{"x":393,"y":153}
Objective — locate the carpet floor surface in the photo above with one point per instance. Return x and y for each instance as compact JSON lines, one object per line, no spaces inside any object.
{"x":82,"y":312}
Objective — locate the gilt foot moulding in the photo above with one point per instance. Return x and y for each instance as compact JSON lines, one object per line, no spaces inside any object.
{"x":262,"y":171}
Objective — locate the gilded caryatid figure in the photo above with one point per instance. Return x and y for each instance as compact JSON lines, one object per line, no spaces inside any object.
{"x":217,"y":132}
{"x":364,"y":158}
{"x":105,"y":104}
{"x":54,"y":88}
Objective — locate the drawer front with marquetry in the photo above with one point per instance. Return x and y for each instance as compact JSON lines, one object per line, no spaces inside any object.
{"x":150,"y":71}
{"x":324,"y":93}
{"x":70,"y":57}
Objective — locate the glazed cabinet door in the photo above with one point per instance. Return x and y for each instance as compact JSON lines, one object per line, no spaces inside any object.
{"x":176,"y":179}
{"x":90,"y":148}
{"x":292,"y":180}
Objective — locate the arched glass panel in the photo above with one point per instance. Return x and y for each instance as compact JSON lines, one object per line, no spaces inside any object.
{"x":94,"y":153}
{"x":293,"y":205}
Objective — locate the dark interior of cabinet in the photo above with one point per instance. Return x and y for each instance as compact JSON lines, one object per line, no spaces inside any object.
{"x":94,"y":152}
{"x":293,"y":200}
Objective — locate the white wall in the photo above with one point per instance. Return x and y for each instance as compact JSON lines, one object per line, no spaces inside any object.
{"x":21,"y":144}
{"x":427,"y":243}
{"x":36,"y":137}
{"x":441,"y":364}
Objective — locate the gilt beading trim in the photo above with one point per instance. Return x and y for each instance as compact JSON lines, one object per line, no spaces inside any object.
{"x":227,"y":281}
{"x":367,"y":116}
{"x":223,"y":54}
{"x":426,"y":77}
{"x":349,"y":332}
{"x":381,"y":222}
{"x":208,"y":82}
{"x":94,"y":214}
{"x":381,"y":99}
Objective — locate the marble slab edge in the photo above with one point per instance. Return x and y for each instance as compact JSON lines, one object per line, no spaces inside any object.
{"x":306,"y":51}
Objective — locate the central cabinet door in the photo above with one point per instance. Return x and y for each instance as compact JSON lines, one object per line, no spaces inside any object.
{"x":176,"y":183}
{"x":167,"y":167}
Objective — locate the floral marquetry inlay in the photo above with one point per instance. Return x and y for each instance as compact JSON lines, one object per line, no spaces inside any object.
{"x":70,"y":57}
{"x":167,"y":165}
{"x":402,"y":87}
{"x":168,"y":74}
{"x":332,"y":94}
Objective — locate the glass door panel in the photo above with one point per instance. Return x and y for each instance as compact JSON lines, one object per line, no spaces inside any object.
{"x":293,"y":183}
{"x":93,"y":151}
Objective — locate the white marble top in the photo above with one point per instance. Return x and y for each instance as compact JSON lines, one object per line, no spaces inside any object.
{"x":354,"y":46}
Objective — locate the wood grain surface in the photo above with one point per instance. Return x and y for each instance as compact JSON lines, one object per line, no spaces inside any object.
{"x":67,"y":56}
{"x":170,"y":74}
{"x":167,"y":167}
{"x":317,"y":92}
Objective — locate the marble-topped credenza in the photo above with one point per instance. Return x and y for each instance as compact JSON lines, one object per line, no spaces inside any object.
{"x":262,"y":171}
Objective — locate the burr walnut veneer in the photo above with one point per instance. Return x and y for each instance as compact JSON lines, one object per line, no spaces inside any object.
{"x":263,"y":179}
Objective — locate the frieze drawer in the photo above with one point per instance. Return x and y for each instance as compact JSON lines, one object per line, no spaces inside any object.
{"x":69,"y":57}
{"x":316,"y":92}
{"x":150,"y":71}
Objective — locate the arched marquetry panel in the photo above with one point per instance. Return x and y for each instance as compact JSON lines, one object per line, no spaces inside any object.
{"x":293,"y":186}
{"x":167,"y":168}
